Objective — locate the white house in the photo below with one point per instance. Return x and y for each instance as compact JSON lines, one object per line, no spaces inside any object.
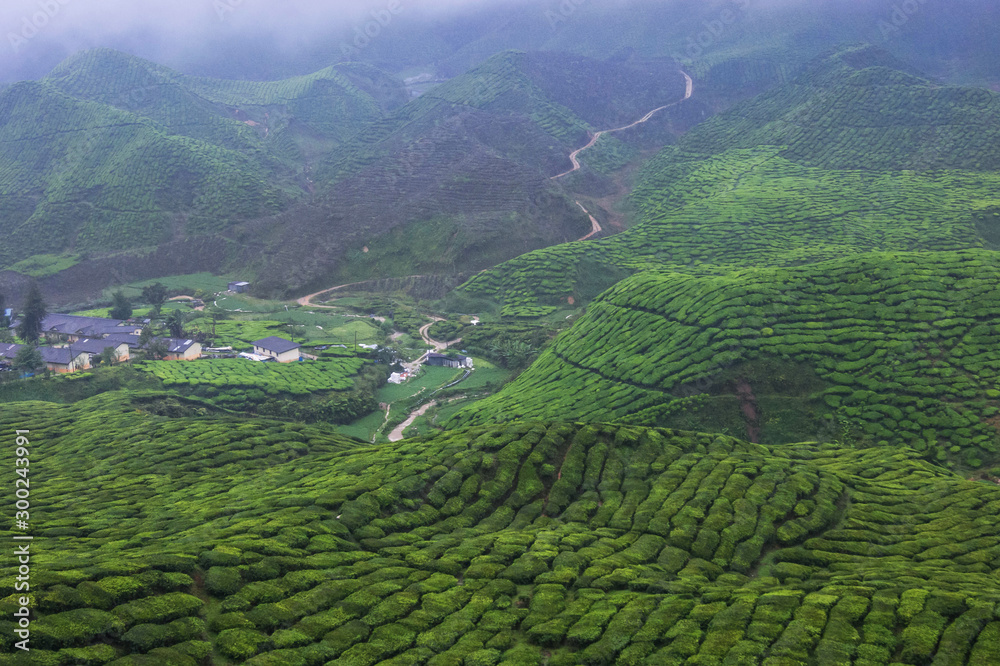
{"x":281,"y":350}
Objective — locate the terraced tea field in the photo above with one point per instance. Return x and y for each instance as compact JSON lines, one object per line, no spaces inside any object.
{"x":522,"y":544}
{"x":271,"y":378}
{"x":754,"y":208}
{"x":857,"y":154}
{"x":903,"y":345}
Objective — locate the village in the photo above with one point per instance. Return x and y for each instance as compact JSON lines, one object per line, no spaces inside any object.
{"x":70,"y":343}
{"x":200,"y":332}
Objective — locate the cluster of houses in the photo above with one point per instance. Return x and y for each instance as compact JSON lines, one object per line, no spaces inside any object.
{"x":73,"y":342}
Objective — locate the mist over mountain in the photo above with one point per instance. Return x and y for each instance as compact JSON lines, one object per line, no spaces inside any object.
{"x":259,"y":40}
{"x":505,"y":333}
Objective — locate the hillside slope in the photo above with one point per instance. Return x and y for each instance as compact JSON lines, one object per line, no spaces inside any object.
{"x":266,"y":543}
{"x":883,"y":348}
{"x":328,"y":177}
{"x":853,"y":156}
{"x":458,"y":179}
{"x":111,"y":152}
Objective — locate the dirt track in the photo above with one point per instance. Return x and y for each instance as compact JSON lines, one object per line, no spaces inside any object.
{"x":575,"y":155}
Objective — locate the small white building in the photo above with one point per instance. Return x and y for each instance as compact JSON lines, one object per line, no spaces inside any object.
{"x":281,"y":350}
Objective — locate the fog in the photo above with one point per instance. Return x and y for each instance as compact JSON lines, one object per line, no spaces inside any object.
{"x":265,"y":39}
{"x":37,"y":34}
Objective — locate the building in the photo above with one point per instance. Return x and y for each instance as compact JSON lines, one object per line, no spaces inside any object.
{"x":61,"y":360}
{"x":181,"y":350}
{"x":71,"y":328}
{"x":64,"y":359}
{"x":239,"y":287}
{"x":457,"y":361}
{"x":177,"y":349}
{"x":259,"y":358}
{"x":96,"y":347}
{"x":281,"y":350}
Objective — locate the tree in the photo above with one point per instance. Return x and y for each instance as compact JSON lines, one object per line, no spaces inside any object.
{"x":145,"y":336}
{"x":175,"y":323}
{"x":109,"y":356}
{"x":121,"y":306}
{"x":3,"y":305}
{"x":217,"y":315}
{"x":33,"y":313}
{"x":157,"y":349}
{"x":28,"y":359}
{"x":155,"y":294}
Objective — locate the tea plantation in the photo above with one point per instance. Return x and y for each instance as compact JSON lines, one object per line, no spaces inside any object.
{"x":903,"y":345}
{"x":857,"y":154}
{"x":294,"y":378}
{"x":175,"y":541}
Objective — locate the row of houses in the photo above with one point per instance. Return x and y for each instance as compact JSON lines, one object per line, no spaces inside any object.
{"x":75,"y":340}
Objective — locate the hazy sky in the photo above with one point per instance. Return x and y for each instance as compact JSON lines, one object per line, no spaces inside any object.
{"x":36,"y":34}
{"x":277,"y":38}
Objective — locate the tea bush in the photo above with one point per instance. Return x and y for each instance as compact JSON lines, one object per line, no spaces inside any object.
{"x":516,"y":544}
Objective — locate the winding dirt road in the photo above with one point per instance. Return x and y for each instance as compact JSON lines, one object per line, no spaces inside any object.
{"x":397,"y":433}
{"x":575,"y":155}
{"x":596,"y":228}
{"x":438,"y":346}
{"x":306,"y":301}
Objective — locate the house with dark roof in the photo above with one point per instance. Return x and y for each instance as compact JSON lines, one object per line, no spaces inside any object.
{"x":127,"y":338}
{"x":96,"y":347}
{"x":181,"y":350}
{"x":64,"y":359}
{"x":177,"y":349}
{"x":281,"y":350}
{"x":442,"y":360}
{"x":61,"y":360}
{"x":70,"y":328}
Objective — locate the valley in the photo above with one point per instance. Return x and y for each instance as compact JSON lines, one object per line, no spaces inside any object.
{"x":605,"y":335}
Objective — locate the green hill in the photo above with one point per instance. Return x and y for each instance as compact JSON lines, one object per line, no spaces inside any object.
{"x":461,"y":173}
{"x":878,"y":349}
{"x":184,"y":539}
{"x":111,"y":152}
{"x":852,"y":156}
{"x":318,"y":178}
{"x":83,"y":176}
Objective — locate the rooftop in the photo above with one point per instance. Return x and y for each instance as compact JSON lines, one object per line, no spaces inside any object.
{"x":276,"y":345}
{"x":95,"y":346}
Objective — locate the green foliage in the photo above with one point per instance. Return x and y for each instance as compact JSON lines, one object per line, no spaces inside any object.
{"x":271,"y":378}
{"x":121,"y":307}
{"x":28,"y":359}
{"x":854,"y":155}
{"x":33,"y":311}
{"x":596,"y":544}
{"x":871,"y":350}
